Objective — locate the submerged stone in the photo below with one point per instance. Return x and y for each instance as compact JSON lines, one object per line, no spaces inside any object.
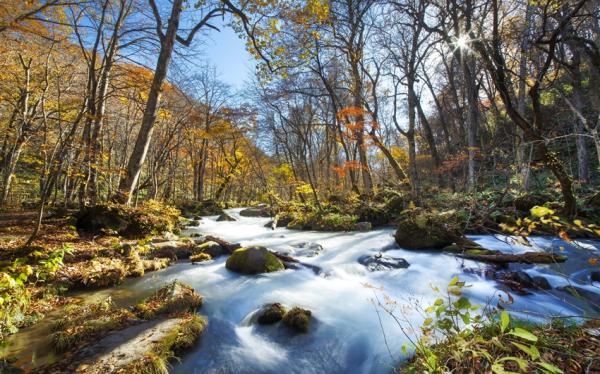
{"x":381,"y":262}
{"x":303,"y":249}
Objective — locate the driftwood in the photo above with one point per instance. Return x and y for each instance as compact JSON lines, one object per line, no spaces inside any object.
{"x":229,"y":247}
{"x":498,"y":257}
{"x":292,"y":263}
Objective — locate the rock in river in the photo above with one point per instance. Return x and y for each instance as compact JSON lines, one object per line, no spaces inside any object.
{"x":271,"y":313}
{"x":255,"y":212}
{"x":426,"y":230}
{"x":253,"y":260}
{"x":380,"y":262}
{"x":298,"y":319}
{"x":225,"y":217}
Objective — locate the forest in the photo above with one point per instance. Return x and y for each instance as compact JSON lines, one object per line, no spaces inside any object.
{"x":406,"y":186}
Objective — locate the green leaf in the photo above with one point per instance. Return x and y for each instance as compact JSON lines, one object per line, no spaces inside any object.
{"x":466,"y":318}
{"x":523,"y":334}
{"x":498,"y":368}
{"x":551,"y":368}
{"x":453,"y":281}
{"x":428,"y":321}
{"x":504,"y":321}
{"x":532,"y":351}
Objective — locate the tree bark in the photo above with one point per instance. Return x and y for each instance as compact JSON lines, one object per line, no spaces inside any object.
{"x":140,"y":150}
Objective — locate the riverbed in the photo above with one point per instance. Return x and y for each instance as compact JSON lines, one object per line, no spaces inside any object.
{"x":361,"y":318}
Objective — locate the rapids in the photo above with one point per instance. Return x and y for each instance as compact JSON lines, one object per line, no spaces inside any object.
{"x":350,"y":332}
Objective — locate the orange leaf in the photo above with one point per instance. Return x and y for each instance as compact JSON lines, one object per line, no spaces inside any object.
{"x":564,"y":236}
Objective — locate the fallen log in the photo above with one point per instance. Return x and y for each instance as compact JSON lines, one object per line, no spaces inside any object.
{"x":497,"y":257}
{"x":229,"y":247}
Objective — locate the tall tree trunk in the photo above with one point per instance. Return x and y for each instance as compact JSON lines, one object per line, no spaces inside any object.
{"x":138,"y":156}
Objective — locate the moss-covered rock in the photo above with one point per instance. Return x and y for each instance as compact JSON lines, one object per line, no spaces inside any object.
{"x":211,"y":248}
{"x":334,"y":222}
{"x":174,"y":298}
{"x":194,"y":209}
{"x":164,"y":348}
{"x":224,"y":217}
{"x":135,"y":265}
{"x":298,"y":319}
{"x":174,"y":250}
{"x":155,"y":264}
{"x":151,"y":217}
{"x":270,"y":313}
{"x":426,"y":230}
{"x":145,"y":348}
{"x":373,"y":214}
{"x":200,"y":257}
{"x":253,"y":260}
{"x":80,"y":325}
{"x":256,"y":212}
{"x":97,"y":273}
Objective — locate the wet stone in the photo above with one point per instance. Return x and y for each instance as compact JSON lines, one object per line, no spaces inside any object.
{"x":380,"y":262}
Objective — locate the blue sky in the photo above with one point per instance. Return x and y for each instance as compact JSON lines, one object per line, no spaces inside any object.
{"x":227,"y":52}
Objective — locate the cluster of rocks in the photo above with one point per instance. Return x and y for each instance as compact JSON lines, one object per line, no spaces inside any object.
{"x":297,"y":319}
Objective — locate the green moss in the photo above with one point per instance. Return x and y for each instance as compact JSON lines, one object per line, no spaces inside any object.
{"x":174,"y":298}
{"x":253,"y":260}
{"x":271,"y":313}
{"x":200,"y":257}
{"x":81,"y":325}
{"x":156,"y":360}
{"x":427,"y":230}
{"x":152,"y":217}
{"x":298,"y":319}
{"x":155,"y":264}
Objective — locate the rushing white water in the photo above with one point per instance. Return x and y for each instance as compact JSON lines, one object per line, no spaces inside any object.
{"x":350,"y":332}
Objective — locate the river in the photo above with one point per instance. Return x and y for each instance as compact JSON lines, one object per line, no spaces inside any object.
{"x":351,"y":332}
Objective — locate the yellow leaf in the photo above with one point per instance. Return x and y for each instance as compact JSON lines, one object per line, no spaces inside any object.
{"x":541,"y":211}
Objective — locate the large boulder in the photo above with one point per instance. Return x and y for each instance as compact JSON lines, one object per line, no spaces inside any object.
{"x":255,"y":212}
{"x":152,"y":217}
{"x":426,"y":230}
{"x":253,"y":260}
